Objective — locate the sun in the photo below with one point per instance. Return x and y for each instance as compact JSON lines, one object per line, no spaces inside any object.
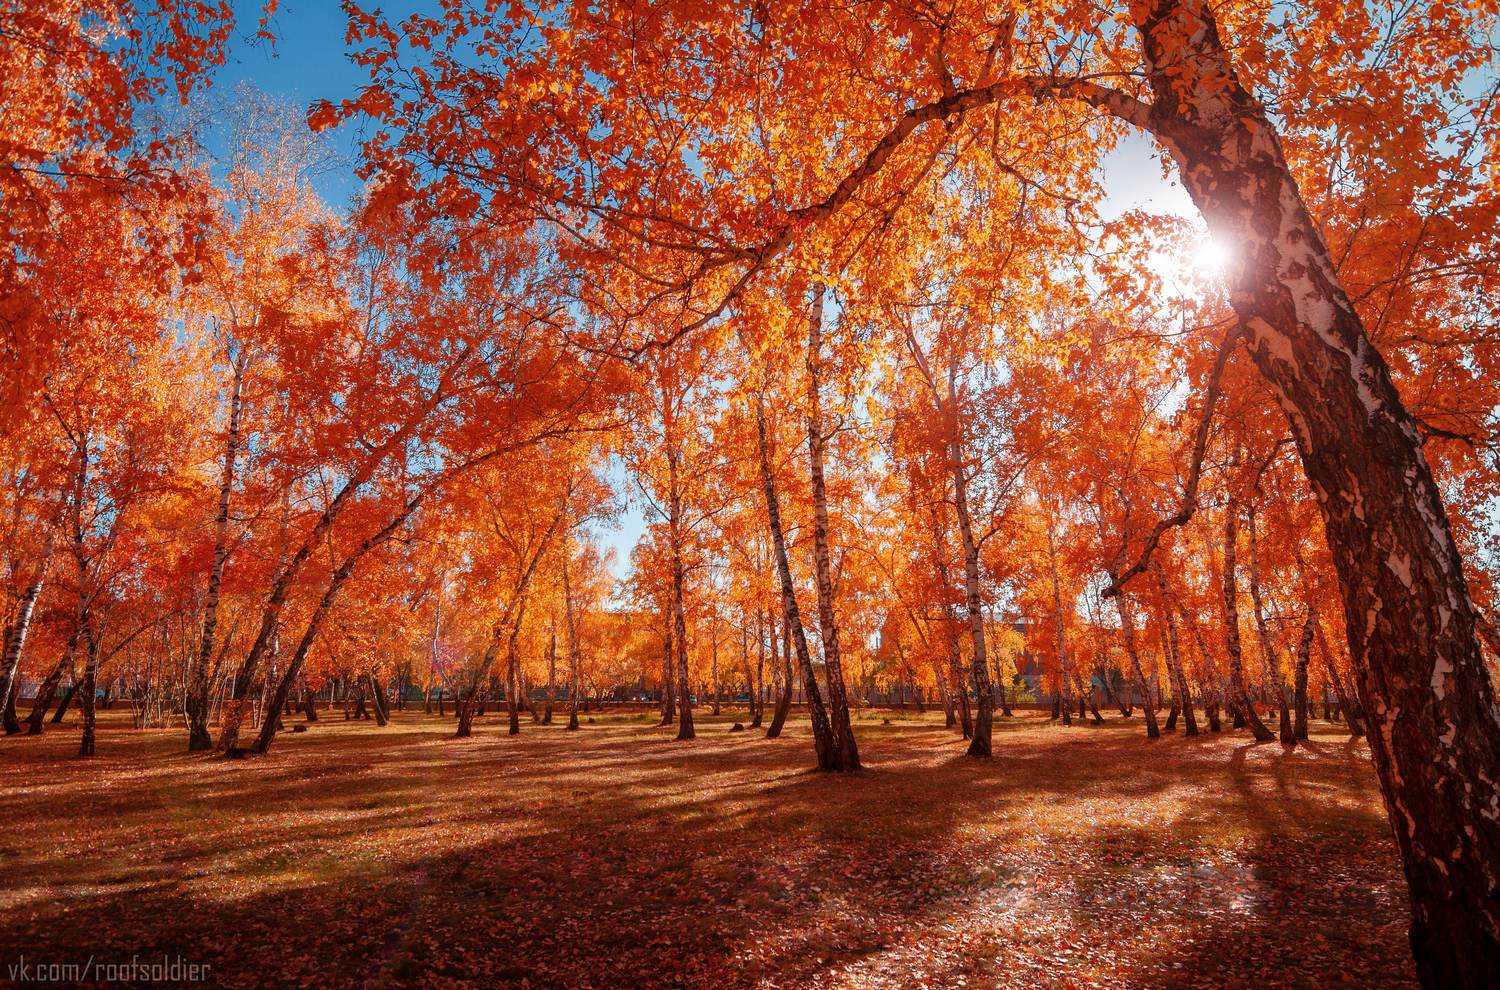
{"x":1212,"y":258}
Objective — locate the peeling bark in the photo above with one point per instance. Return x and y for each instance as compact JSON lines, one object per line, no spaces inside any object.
{"x":1432,"y":718}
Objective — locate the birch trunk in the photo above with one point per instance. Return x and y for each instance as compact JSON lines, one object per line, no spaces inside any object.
{"x":979,"y":664}
{"x":844,"y":754}
{"x":1356,"y":729}
{"x":1059,"y":640}
{"x":15,"y":639}
{"x":1127,"y":632}
{"x":330,"y":596}
{"x":1304,"y":651}
{"x":573,"y":684}
{"x":1237,"y":694}
{"x":92,"y":641}
{"x":199,"y":739}
{"x":465,"y":709}
{"x":830,"y":754}
{"x":1209,"y":675}
{"x":286,"y":578}
{"x":1433,"y":723}
{"x":551,"y":674}
{"x":1174,"y":656}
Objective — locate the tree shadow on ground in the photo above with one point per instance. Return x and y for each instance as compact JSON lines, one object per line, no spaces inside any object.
{"x":614,"y":857}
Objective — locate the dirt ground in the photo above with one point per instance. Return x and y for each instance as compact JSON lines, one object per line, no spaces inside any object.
{"x":353,"y":856}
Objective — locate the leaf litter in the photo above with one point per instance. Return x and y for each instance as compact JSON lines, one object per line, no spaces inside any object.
{"x":615,"y":857}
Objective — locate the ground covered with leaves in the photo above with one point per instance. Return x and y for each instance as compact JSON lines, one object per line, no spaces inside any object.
{"x":616,"y":857}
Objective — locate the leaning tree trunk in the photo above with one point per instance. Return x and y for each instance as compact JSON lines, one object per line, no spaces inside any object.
{"x":464,"y":710}
{"x":1084,"y":697}
{"x":1433,"y":723}
{"x":69,"y":696}
{"x":831,"y":755}
{"x":360,"y":714}
{"x":325,"y":604}
{"x":45,"y":693}
{"x":310,"y":706}
{"x":286,"y":579}
{"x":845,"y":753}
{"x":12,"y":724}
{"x":15,"y":640}
{"x":951,"y":716}
{"x":382,"y":706}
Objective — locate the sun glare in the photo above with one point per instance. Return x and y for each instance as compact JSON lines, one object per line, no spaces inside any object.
{"x":1212,"y":258}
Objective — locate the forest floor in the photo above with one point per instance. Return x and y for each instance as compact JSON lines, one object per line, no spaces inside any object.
{"x":353,"y":856}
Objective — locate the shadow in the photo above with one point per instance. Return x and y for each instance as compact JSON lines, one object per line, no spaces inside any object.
{"x":356,"y":857}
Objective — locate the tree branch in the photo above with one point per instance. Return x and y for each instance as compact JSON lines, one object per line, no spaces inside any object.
{"x":1190,"y":496}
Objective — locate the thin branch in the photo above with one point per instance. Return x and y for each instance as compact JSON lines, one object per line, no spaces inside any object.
{"x":1190,"y":496}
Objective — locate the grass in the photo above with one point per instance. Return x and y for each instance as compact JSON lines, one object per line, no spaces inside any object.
{"x":616,"y":857}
